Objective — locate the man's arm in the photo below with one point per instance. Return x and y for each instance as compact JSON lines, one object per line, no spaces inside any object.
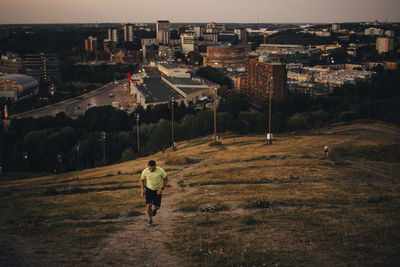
{"x":164,"y":183}
{"x":142,"y":187}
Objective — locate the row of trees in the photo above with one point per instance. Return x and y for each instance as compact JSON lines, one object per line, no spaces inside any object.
{"x":48,"y":144}
{"x":54,"y":143}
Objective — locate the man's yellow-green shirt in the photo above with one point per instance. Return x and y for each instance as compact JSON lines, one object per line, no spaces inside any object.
{"x":153,"y":179}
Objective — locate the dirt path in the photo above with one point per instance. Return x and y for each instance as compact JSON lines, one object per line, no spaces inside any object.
{"x":140,"y":244}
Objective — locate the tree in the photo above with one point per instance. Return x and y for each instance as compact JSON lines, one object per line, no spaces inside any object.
{"x":179,"y":56}
{"x":128,"y":154}
{"x":297,"y":122}
{"x":194,"y":58}
{"x":234,"y":104}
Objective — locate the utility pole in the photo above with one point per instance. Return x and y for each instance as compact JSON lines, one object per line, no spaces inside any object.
{"x":59,"y":158}
{"x":172,"y":123}
{"x":369,"y":97}
{"x":137,"y":132}
{"x":77,"y":150}
{"x":270,"y":91}
{"x":103,"y":139}
{"x":215,"y":114}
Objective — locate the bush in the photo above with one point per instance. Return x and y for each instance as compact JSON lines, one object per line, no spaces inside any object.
{"x":347,"y":116}
{"x":128,"y":154}
{"x":297,"y":122}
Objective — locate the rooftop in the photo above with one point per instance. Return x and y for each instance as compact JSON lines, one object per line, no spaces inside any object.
{"x":173,"y":66}
{"x":155,"y":90}
{"x":24,"y":80}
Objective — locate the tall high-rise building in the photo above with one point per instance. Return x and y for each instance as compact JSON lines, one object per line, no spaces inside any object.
{"x":91,"y":44}
{"x":113,"y":35}
{"x":384,"y":44}
{"x":263,"y":76}
{"x":128,"y":32}
{"x":241,"y":33}
{"x":198,"y":31}
{"x":163,"y":31}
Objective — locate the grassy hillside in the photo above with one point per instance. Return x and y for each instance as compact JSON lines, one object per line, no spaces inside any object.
{"x":242,"y":203}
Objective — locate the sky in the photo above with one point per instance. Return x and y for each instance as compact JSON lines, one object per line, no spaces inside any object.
{"x":220,"y":11}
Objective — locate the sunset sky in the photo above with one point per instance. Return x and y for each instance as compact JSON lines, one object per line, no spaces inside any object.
{"x":251,"y":11}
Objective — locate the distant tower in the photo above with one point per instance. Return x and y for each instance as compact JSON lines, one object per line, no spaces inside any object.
{"x":241,"y":33}
{"x":128,"y":32}
{"x":109,"y":33}
{"x":113,"y":35}
{"x":163,"y":31}
{"x":198,"y":31}
{"x":91,"y":44}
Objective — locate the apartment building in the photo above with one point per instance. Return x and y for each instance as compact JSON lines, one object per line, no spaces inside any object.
{"x":260,"y":77}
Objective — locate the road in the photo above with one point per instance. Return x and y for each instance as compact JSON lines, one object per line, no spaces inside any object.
{"x":74,"y":107}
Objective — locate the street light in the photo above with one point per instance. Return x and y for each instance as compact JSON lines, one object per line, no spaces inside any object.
{"x":103,"y":139}
{"x":172,"y":123}
{"x":137,"y":132}
{"x":270,"y":91}
{"x":25,"y":156}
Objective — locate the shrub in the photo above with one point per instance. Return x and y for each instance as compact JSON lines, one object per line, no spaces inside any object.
{"x":128,"y":154}
{"x":297,"y":122}
{"x":347,"y":116}
{"x":258,"y":203}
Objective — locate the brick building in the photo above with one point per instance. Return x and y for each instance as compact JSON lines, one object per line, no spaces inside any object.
{"x":261,"y":76}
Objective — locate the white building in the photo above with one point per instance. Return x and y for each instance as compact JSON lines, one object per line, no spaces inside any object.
{"x":389,"y":33}
{"x":188,"y":43}
{"x":373,"y":31}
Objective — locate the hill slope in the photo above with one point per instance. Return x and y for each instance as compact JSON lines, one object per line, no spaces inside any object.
{"x":242,"y":203}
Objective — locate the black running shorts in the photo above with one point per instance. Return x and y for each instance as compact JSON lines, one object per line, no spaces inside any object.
{"x":152,"y":197}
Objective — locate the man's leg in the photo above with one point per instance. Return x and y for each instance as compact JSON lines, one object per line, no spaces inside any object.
{"x":154,"y":211}
{"x":148,"y":211}
{"x":156,"y":204}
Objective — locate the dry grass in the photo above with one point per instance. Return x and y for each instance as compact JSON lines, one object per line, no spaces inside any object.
{"x":254,"y":204}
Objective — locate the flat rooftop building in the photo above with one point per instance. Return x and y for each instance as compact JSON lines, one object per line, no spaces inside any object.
{"x":157,"y":89}
{"x":18,"y":86}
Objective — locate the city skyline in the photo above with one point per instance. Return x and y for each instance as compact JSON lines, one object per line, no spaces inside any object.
{"x":223,"y":11}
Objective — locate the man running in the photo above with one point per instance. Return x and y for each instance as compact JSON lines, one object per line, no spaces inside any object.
{"x":156,"y":179}
{"x":326,"y":151}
